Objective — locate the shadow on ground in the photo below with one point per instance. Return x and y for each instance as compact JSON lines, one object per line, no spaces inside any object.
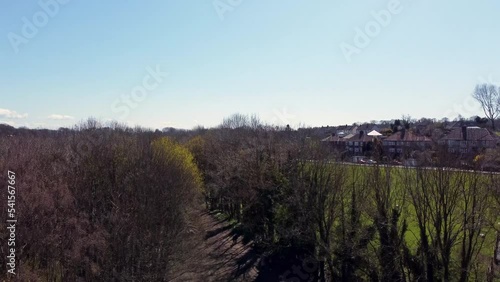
{"x":287,"y":265}
{"x":225,"y":251}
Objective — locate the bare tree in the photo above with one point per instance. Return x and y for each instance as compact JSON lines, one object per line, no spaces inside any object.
{"x":489,"y":97}
{"x":386,"y":213}
{"x":236,"y":121}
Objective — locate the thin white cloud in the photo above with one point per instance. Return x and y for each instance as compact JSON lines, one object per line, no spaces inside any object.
{"x":60,"y":117}
{"x":35,"y":125}
{"x":5,"y":113}
{"x":11,"y":123}
{"x":168,"y":124}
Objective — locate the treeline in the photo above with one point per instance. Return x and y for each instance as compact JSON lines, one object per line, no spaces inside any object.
{"x":111,"y":203}
{"x":315,"y":219}
{"x":97,"y":203}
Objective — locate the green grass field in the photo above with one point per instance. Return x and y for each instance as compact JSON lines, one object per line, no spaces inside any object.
{"x":462,"y":193}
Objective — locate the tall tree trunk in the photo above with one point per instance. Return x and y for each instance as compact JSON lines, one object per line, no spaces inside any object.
{"x":322,"y":271}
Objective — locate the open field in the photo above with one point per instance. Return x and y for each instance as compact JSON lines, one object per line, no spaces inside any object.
{"x":455,"y":210}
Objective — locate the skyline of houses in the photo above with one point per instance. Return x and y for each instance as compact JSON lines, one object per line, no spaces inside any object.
{"x":469,"y":139}
{"x":463,"y":139}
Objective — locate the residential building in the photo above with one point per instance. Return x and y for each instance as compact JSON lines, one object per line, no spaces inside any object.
{"x":359,"y":143}
{"x":367,"y":127}
{"x":405,"y":141}
{"x":469,"y":140}
{"x":335,"y":142}
{"x":345,"y":130}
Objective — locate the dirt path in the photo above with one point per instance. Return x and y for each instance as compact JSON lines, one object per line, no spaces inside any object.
{"x":217,"y":253}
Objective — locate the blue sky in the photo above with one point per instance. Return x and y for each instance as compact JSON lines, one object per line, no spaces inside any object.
{"x":282,"y":60}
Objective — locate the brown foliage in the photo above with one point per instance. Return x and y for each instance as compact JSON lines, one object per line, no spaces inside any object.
{"x":95,"y":204}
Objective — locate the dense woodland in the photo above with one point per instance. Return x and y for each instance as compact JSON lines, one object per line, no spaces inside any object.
{"x":111,"y":203}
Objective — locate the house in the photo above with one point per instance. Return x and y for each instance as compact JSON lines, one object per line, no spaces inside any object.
{"x":468,"y":139}
{"x":355,"y":144}
{"x":335,"y":142}
{"x":423,"y":126}
{"x":405,"y":141}
{"x":367,"y":127}
{"x":344,"y":130}
{"x":460,"y":123}
{"x":359,"y":143}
